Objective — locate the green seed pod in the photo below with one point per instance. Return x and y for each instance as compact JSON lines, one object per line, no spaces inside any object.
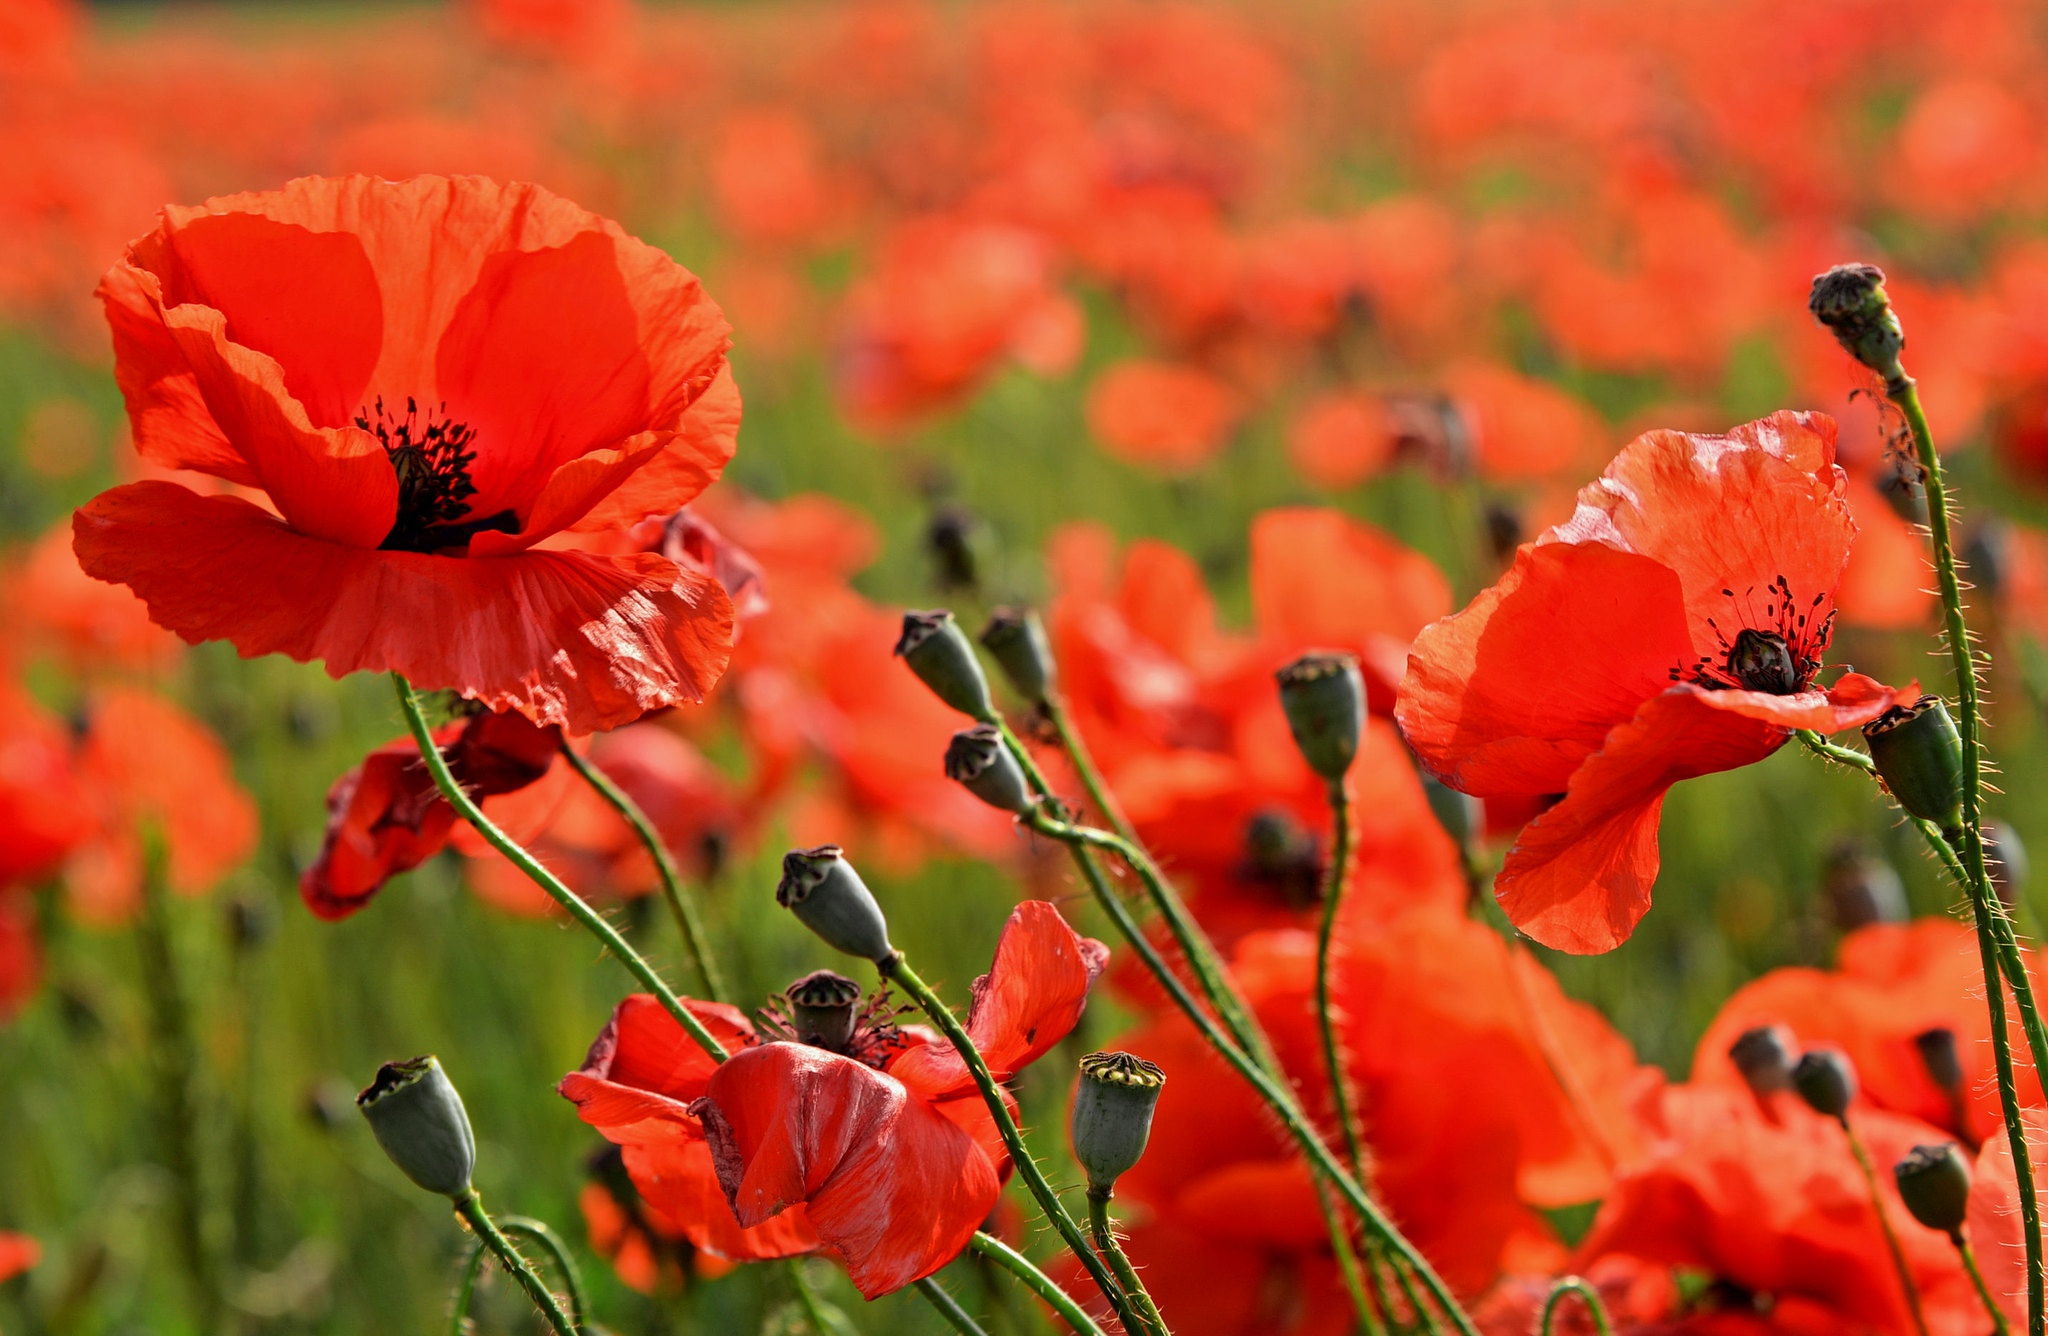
{"x":1015,"y":639}
{"x":979,"y":762}
{"x":1939,"y":1055}
{"x":1850,"y":300}
{"x":1919,"y":755}
{"x":419,"y":1120}
{"x":1826,"y":1081}
{"x":1112,"y":1117}
{"x":1324,"y":698}
{"x":1763,"y":1058}
{"x":821,"y":888}
{"x":824,"y":1010}
{"x":1934,"y":1181}
{"x":937,"y":651}
{"x":1462,"y":816}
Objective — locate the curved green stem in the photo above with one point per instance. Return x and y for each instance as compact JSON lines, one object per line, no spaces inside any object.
{"x":1326,"y":1017}
{"x":1884,"y":1221}
{"x":1594,"y":1308}
{"x":1969,"y":1255}
{"x":1040,"y":1284}
{"x":579,"y":909}
{"x":466,"y":1291}
{"x":551,"y":1243}
{"x":680,"y":904}
{"x":1084,"y":765}
{"x":949,"y":1308}
{"x":897,"y":969}
{"x":471,"y":1209}
{"x":1126,"y":1275}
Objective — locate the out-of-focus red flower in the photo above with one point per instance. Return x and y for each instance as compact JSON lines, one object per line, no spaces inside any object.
{"x":18,"y":1252}
{"x":1160,"y":414}
{"x":1964,"y":144}
{"x":21,"y":963}
{"x":1636,"y":1294}
{"x":43,"y":806}
{"x":88,"y":624}
{"x":1891,"y":983}
{"x":554,"y":27}
{"x":1340,"y":439}
{"x":426,"y":379}
{"x":884,"y":1153}
{"x":1523,"y":428}
{"x":34,"y":34}
{"x":767,"y":177}
{"x":1673,"y":627}
{"x":386,"y":815}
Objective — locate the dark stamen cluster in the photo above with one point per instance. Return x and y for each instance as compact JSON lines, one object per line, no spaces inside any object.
{"x":432,"y":458}
{"x":1776,"y":650}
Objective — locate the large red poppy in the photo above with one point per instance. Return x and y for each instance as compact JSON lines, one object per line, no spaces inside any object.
{"x":884,"y":1153}
{"x":426,"y":380}
{"x":1673,"y":627}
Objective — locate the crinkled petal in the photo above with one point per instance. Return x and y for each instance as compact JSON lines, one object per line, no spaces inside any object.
{"x":691,"y":459}
{"x":1850,"y":703}
{"x":645,"y":1047}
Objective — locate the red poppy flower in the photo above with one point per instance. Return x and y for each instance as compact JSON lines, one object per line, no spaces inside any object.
{"x":21,"y":957}
{"x":427,"y":380}
{"x":1673,"y":627}
{"x":1161,"y":415}
{"x":386,"y":815}
{"x":18,"y":1252}
{"x":43,"y":812}
{"x":881,"y":1150}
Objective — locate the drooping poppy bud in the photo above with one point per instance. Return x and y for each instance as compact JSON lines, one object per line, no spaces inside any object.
{"x":979,"y":762}
{"x":418,"y":1119}
{"x":1939,"y":1055}
{"x":1324,"y":698}
{"x":821,"y":888}
{"x":1862,"y":889}
{"x":1015,"y":638}
{"x":1934,"y":1182}
{"x":1850,"y":300}
{"x":824,"y":1010}
{"x":937,"y":651}
{"x":950,"y":537}
{"x":1826,"y":1081}
{"x":1112,"y":1116}
{"x":1764,"y":1059}
{"x":1919,"y":755}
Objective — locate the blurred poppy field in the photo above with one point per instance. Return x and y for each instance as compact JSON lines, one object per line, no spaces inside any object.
{"x":620,"y":374}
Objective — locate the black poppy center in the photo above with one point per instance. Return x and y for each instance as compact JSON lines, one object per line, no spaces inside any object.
{"x":1777,"y":647}
{"x":432,"y":456}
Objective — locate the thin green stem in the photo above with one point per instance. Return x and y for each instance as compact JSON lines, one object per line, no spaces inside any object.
{"x":1107,"y":1244}
{"x":1884,"y":1222}
{"x":579,"y":909}
{"x":680,"y":904}
{"x":1969,"y":1255}
{"x":1349,"y":1269}
{"x":1594,"y":1308}
{"x":1821,"y":747}
{"x":551,"y":1244}
{"x":898,"y":970}
{"x":471,"y":1209}
{"x":458,"y":1321}
{"x":1326,"y":1015}
{"x":1040,"y":1284}
{"x":949,"y":1308}
{"x":1084,"y":765}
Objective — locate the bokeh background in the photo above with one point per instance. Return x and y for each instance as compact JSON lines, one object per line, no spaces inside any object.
{"x":1006,"y":280}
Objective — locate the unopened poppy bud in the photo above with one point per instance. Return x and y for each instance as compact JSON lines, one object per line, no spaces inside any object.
{"x":1324,"y":698}
{"x":2005,"y":860}
{"x":1919,"y":755}
{"x":979,"y":762}
{"x":821,"y":888}
{"x":937,"y":651}
{"x":1862,"y":889}
{"x":1941,"y":1058}
{"x":1850,"y":300}
{"x":419,"y":1120}
{"x":1934,"y":1182}
{"x":1826,"y":1081}
{"x":1462,"y":816}
{"x":823,"y":1010}
{"x":1015,"y":639}
{"x":1113,"y":1114}
{"x":1763,"y":1058}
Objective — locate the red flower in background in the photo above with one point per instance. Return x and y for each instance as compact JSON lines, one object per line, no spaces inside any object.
{"x":426,"y":380}
{"x":43,"y":807}
{"x":54,"y":606}
{"x":1159,"y":414}
{"x":1673,"y":627}
{"x":18,"y":1252}
{"x":880,"y":1149}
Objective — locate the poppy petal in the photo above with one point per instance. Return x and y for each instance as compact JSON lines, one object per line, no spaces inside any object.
{"x":690,"y":460}
{"x":893,"y":1185}
{"x":644,"y":1047}
{"x":1850,"y":703}
{"x":1579,"y":877}
{"x":571,"y":638}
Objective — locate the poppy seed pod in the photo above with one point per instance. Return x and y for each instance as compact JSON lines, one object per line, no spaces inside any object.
{"x":977,"y":759}
{"x":1938,"y":1054}
{"x":1919,"y":755}
{"x":1015,"y":638}
{"x":1763,"y":1059}
{"x":823,"y":1010}
{"x":936,"y":649}
{"x":1112,"y":1117}
{"x":1324,"y":698}
{"x":821,"y":888}
{"x":419,"y":1120}
{"x":1826,"y":1081}
{"x":1850,"y":300}
{"x":1934,"y":1182}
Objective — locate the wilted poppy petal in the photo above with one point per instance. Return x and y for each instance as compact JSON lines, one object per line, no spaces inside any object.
{"x":645,"y":1047}
{"x":893,"y":1186}
{"x":584,"y":641}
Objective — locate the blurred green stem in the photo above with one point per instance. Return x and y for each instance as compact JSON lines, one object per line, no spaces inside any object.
{"x":949,"y":1308}
{"x":1884,"y":1223}
{"x":680,"y":903}
{"x":1334,"y":886}
{"x":1594,"y":1308}
{"x":1999,"y":1326}
{"x":1044,"y":1286}
{"x":471,"y":1209}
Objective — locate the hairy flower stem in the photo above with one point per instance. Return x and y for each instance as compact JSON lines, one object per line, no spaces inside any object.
{"x":949,"y":1308}
{"x":1999,"y":1326}
{"x":1018,"y":1265}
{"x":471,"y":1208}
{"x":1084,"y":766}
{"x":897,"y":970}
{"x":680,"y":904}
{"x":1884,"y":1222}
{"x":1335,"y":885}
{"x":1594,"y":1308}
{"x":549,"y":1241}
{"x":1126,"y":1274}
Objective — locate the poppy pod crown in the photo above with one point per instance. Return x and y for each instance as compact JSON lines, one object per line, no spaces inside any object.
{"x":427,"y":381}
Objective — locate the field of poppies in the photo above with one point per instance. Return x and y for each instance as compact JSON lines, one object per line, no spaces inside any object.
{"x":1120,"y":666}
